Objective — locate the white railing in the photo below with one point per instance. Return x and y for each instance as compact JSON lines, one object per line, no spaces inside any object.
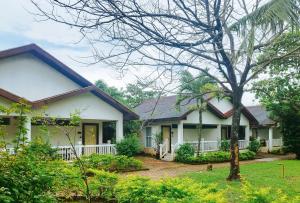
{"x":243,"y":144}
{"x":173,"y":150}
{"x":163,"y":150}
{"x":275,"y":143}
{"x":67,"y":152}
{"x":210,"y":146}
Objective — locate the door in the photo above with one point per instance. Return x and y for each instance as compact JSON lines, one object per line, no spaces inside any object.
{"x":166,"y":133}
{"x":90,"y":137}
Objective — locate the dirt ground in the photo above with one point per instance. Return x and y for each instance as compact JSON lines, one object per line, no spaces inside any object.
{"x":159,"y":169}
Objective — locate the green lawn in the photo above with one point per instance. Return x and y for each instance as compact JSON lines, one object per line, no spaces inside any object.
{"x":265,"y":174}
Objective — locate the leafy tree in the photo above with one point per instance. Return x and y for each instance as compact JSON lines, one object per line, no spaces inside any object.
{"x":280,"y":93}
{"x":220,"y":38}
{"x":135,"y":94}
{"x":110,"y":90}
{"x":200,"y":88}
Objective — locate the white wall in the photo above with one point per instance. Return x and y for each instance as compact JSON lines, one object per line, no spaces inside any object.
{"x":90,"y":107}
{"x":223,"y":105}
{"x":263,"y":133}
{"x":30,"y":78}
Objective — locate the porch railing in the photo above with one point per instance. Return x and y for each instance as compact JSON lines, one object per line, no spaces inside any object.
{"x":275,"y":143}
{"x":210,"y":146}
{"x":162,"y":150}
{"x":67,"y":152}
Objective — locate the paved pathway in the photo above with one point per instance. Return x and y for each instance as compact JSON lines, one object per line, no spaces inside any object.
{"x":159,"y":169}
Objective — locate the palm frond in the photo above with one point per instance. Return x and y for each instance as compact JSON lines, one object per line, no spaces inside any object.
{"x":271,"y":15}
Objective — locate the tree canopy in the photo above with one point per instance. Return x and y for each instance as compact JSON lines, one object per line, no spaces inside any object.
{"x":280,"y":93}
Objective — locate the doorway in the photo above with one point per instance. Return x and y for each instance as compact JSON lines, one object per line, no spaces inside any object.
{"x":166,"y":135}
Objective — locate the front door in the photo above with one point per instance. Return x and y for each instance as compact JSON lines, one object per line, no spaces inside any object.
{"x":90,"y":137}
{"x":166,"y":133}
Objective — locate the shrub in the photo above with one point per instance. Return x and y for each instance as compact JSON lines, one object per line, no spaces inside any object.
{"x":140,"y":189}
{"x":279,"y":151}
{"x":24,"y":179}
{"x":129,"y":146}
{"x":42,"y":150}
{"x":225,"y":145}
{"x":184,"y":152}
{"x":254,"y":146}
{"x":216,"y":157}
{"x":110,"y":162}
{"x":103,"y":184}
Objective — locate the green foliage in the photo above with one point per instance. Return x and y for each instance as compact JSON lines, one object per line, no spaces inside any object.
{"x":225,"y":145}
{"x":280,"y":93}
{"x":254,"y":145}
{"x":129,"y":146}
{"x":184,"y":152}
{"x":110,"y":162}
{"x":103,"y":184}
{"x":216,"y":157}
{"x":140,"y":189}
{"x":41,"y":149}
{"x":279,"y":151}
{"x":24,"y":179}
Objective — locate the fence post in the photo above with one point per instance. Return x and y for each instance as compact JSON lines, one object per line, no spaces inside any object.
{"x":202,"y":145}
{"x":160,"y":151}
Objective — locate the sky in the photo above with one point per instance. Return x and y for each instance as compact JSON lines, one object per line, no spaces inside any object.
{"x":18,"y":26}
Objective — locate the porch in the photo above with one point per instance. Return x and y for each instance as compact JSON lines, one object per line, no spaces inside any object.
{"x":174,"y":135}
{"x":90,"y":136}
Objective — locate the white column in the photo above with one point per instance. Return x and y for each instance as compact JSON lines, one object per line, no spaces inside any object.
{"x":270,"y":138}
{"x":219,"y":136}
{"x":28,"y":128}
{"x":180,"y":133}
{"x":247,"y":135}
{"x":119,"y":130}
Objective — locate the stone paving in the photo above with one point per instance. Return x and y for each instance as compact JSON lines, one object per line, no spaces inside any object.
{"x":159,"y":169}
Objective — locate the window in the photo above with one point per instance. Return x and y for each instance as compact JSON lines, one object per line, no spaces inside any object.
{"x":4,"y":121}
{"x":148,"y":137}
{"x":226,"y":132}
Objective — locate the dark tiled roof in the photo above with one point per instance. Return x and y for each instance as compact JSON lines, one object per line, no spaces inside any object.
{"x":165,"y":109}
{"x":261,"y":115}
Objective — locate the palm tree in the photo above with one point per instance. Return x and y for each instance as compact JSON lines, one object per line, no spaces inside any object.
{"x":198,"y":88}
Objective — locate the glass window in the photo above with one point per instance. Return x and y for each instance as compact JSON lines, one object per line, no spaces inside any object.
{"x":148,"y":137}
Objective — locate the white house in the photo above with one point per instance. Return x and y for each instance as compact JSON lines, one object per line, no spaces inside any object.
{"x":30,"y":73}
{"x":267,"y":129}
{"x":179,"y":125}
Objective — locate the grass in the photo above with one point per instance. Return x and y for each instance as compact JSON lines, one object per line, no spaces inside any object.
{"x":264,"y":174}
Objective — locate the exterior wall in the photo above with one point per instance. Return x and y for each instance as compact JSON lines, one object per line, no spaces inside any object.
{"x":213,"y":134}
{"x":32,"y":78}
{"x":263,"y":133}
{"x":54,"y":135}
{"x":90,"y":107}
{"x":223,"y":105}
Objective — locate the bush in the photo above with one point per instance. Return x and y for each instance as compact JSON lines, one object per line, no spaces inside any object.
{"x":254,"y":146}
{"x":217,"y":157}
{"x":42,"y":150}
{"x":225,"y":145}
{"x":140,"y":189}
{"x":103,"y":184}
{"x":279,"y":151}
{"x":109,"y":162}
{"x":129,"y":146}
{"x":24,"y":179}
{"x":184,"y":152}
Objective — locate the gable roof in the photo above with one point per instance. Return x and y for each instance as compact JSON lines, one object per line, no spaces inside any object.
{"x":66,"y":71}
{"x":261,"y":115}
{"x":164,"y":109}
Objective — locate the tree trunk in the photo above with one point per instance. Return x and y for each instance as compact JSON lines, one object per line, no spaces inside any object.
{"x":199,"y":132}
{"x":234,"y":147}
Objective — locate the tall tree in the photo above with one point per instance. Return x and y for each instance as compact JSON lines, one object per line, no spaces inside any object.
{"x":111,"y":90}
{"x":280,"y":93}
{"x":199,"y":88}
{"x":221,"y":38}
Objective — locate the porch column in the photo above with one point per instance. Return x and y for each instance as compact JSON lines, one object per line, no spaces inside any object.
{"x":247,"y":136}
{"x":28,"y":128}
{"x":119,"y":130}
{"x":219,"y":136}
{"x":270,"y":138}
{"x":180,"y":133}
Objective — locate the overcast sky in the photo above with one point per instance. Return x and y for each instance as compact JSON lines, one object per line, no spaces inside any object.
{"x":18,"y":27}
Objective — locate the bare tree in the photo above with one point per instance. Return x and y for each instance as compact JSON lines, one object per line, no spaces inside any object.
{"x":221,"y":38}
